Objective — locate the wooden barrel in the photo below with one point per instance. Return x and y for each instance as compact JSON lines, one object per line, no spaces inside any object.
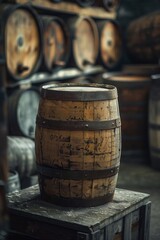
{"x":56,"y":43}
{"x":110,"y":44}
{"x":133,"y":92}
{"x":154,"y":122}
{"x":85,"y":42}
{"x":142,"y":39}
{"x":109,"y":5}
{"x":21,"y":155}
{"x":78,"y":144}
{"x":23,"y":41}
{"x":22,"y":111}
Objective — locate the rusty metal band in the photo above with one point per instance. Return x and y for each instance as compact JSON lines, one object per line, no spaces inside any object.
{"x":51,"y":172}
{"x":77,"y":202}
{"x":49,"y":92}
{"x":78,"y":125}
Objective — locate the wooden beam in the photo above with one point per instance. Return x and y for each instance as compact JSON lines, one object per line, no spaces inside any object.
{"x":68,"y":7}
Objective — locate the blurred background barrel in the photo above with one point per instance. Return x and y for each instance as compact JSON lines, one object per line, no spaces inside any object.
{"x":133,"y":92}
{"x":21,"y":156}
{"x":56,"y":43}
{"x":142,"y":38}
{"x":110,"y":44}
{"x":13,"y":183}
{"x":78,"y":144}
{"x":22,"y":111}
{"x":154,"y":122}
{"x":85,"y":42}
{"x":23,"y":41}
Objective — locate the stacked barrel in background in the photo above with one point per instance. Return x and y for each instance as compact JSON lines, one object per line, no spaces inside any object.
{"x":136,"y":90}
{"x":40,"y":41}
{"x":133,"y":91}
{"x":143,"y":46}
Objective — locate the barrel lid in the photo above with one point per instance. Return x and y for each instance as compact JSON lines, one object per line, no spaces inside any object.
{"x":79,"y":92}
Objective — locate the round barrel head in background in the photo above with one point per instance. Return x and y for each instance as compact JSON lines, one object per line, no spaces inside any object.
{"x":22,"y":42}
{"x":110,"y":44}
{"x":23,"y":107}
{"x":85,"y":43}
{"x":56,"y":43}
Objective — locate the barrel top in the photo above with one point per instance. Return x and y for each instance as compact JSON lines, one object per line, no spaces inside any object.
{"x":79,"y":92}
{"x":79,"y":89}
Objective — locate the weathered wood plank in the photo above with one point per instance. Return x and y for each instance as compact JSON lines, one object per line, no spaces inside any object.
{"x":27,"y":202}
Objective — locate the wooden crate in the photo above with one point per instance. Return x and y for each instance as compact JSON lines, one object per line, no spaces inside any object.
{"x":126,"y":217}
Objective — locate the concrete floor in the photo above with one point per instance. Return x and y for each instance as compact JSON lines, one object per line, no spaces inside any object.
{"x":142,"y":178}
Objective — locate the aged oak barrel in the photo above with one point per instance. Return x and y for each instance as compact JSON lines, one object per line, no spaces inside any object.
{"x":23,"y":41}
{"x":110,"y":44}
{"x":56,"y":43}
{"x":154,"y":122}
{"x":133,"y":92}
{"x":78,"y":144}
{"x":142,"y":38}
{"x":22,"y":111}
{"x":85,"y":42}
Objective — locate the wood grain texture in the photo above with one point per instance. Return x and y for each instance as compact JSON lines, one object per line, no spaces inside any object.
{"x":78,"y":150}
